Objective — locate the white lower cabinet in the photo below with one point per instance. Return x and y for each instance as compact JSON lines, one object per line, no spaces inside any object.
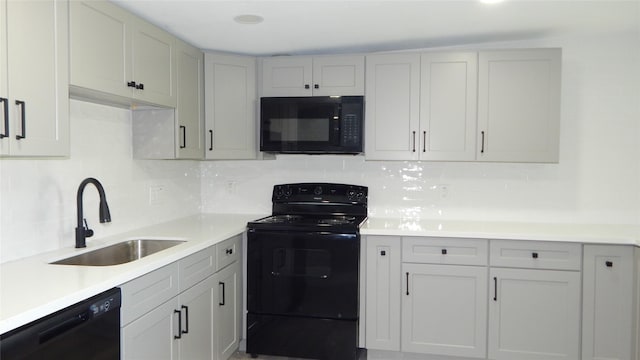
{"x":534,"y":314}
{"x":382,"y":320}
{"x":229,"y":310}
{"x":140,"y":339}
{"x":444,"y":310}
{"x":609,"y":278}
{"x":468,"y":299}
{"x":202,"y":322}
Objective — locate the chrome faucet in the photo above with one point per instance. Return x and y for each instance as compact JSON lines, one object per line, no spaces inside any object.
{"x":82,"y":230}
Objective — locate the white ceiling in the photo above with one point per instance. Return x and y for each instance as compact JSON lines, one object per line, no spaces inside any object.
{"x":332,"y":26}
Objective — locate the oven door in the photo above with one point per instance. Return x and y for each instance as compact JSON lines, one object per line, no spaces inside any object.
{"x":303,"y":273}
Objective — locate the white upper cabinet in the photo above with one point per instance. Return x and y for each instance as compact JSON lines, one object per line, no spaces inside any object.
{"x":313,"y":76}
{"x":448,"y":101}
{"x":190,"y":105}
{"x":421,"y":107}
{"x":34,"y":107}
{"x":119,"y":57}
{"x":230,"y":107}
{"x":519,"y":105}
{"x":393,"y":107}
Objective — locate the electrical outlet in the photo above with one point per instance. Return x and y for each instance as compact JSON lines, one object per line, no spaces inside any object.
{"x":156,"y":193}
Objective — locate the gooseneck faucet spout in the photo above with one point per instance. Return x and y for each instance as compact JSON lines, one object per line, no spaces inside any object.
{"x":82,"y":230}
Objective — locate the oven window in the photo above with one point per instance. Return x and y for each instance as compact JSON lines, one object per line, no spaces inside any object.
{"x":307,"y":129}
{"x":309,"y":263}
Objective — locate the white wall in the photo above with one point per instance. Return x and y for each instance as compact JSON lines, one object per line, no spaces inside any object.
{"x":597,"y":179}
{"x":38,"y":197}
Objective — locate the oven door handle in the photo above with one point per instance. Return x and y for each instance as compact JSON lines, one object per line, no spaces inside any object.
{"x":323,"y":276}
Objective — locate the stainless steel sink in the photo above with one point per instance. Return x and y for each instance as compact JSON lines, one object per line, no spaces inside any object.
{"x":119,"y":253}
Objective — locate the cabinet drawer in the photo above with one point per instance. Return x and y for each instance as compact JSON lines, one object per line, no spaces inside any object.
{"x":535,"y":254}
{"x":147,"y":292}
{"x":197,"y":267}
{"x":228,"y":251}
{"x":435,"y":250}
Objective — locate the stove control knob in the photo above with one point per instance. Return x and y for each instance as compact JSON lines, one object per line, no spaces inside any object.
{"x":278,"y":192}
{"x":318,"y":190}
{"x":360,"y":195}
{"x":351,"y":194}
{"x":287,"y":191}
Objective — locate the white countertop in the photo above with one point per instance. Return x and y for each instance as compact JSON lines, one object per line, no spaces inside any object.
{"x":583,"y":233}
{"x":32,"y":288}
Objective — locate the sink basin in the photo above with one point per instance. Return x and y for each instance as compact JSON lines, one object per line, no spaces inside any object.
{"x":120,"y":253}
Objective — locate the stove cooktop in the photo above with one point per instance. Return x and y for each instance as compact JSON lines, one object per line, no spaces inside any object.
{"x":324,"y":222}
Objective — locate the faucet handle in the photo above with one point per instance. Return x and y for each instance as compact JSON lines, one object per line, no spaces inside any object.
{"x":87,"y":232}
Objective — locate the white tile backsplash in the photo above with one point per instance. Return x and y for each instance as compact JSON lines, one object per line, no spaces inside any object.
{"x":38,"y":205}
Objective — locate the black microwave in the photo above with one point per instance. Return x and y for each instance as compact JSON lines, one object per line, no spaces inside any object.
{"x":312,"y":125}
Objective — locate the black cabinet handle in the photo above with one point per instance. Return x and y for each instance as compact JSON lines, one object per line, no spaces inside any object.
{"x":414,"y":142}
{"x":223,"y":295}
{"x":140,"y":86}
{"x":407,"y":283}
{"x":424,"y":141}
{"x":179,"y":336}
{"x":609,"y":263}
{"x":316,"y":86}
{"x":534,"y":255}
{"x":306,"y":86}
{"x":23,"y":121}
{"x":184,"y":136}
{"x":383,"y":253}
{"x":228,"y":251}
{"x":6,"y":117}
{"x":444,"y":251}
{"x":495,"y":288}
{"x":131,"y":84}
{"x":186,"y":318}
{"x":482,"y":146}
{"x":211,"y":139}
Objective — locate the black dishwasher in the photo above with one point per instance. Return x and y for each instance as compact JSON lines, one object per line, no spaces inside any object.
{"x":88,"y":330}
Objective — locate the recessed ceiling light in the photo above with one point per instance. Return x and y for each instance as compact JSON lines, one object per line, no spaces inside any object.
{"x":248,"y":19}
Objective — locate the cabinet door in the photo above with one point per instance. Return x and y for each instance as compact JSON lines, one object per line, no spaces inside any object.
{"x":338,"y":75}
{"x":228,"y":313}
{"x":153,"y":61}
{"x":519,"y":105}
{"x":287,"y":76}
{"x":190,"y":103}
{"x":152,"y":337}
{"x":99,"y":43}
{"x":534,"y":314}
{"x":230,"y":101}
{"x":383,"y":293}
{"x":448,"y":106}
{"x":444,"y":310}
{"x":608,"y":298}
{"x":197,"y":305}
{"x":37,"y":59}
{"x":393,"y":107}
{"x":4,"y":92}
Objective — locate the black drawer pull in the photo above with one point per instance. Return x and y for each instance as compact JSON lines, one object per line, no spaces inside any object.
{"x":131,"y":84}
{"x":407,"y":283}
{"x":223,"y":294}
{"x":383,"y":253}
{"x":495,"y":288}
{"x":609,"y":263}
{"x":534,"y":255}
{"x":211,"y":139}
{"x":444,"y":251}
{"x":186,"y":316}
{"x":6,"y":117}
{"x":228,"y":251}
{"x":179,"y":336}
{"x":23,"y":120}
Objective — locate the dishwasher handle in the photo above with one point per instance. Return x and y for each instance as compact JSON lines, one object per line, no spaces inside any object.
{"x":64,"y":326}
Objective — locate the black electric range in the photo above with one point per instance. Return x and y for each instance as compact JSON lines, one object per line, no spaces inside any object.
{"x":303,"y":270}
